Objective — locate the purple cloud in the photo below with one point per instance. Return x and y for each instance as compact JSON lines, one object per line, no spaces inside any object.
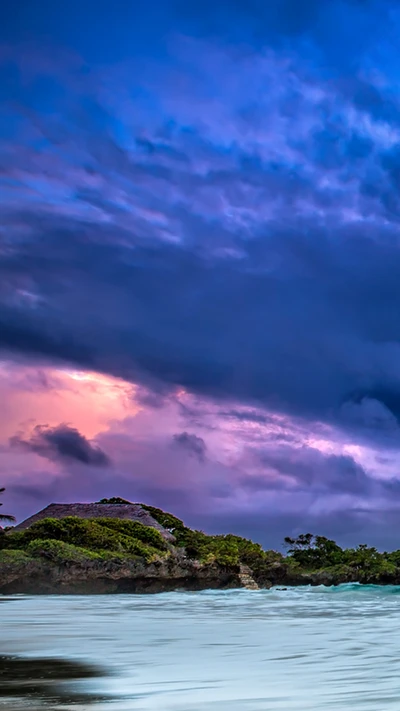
{"x":62,"y":443}
{"x":193,"y":444}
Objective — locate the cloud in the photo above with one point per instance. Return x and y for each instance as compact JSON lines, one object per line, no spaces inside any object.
{"x":152,"y":397}
{"x":209,"y":205}
{"x":371,"y":413}
{"x":241,"y":269}
{"x":245,"y":416}
{"x":297,"y":345}
{"x":191,"y":443}
{"x":263,"y":489}
{"x":62,"y":443}
{"x":308,"y":469}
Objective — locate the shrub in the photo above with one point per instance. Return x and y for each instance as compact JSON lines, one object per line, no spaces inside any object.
{"x":47,"y":528}
{"x":167,"y":520}
{"x":79,"y":532}
{"x":135,"y":529}
{"x":113,"y":500}
{"x":137,"y":548}
{"x":13,"y":556}
{"x":91,"y":534}
{"x":249,"y":553}
{"x":76,"y":531}
{"x":393,"y":557}
{"x":60,"y":552}
{"x":227,"y":550}
{"x":12,"y":540}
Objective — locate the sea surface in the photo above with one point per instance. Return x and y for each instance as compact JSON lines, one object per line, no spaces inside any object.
{"x":306,"y":649}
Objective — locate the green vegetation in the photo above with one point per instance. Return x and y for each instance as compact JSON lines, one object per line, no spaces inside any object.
{"x":309,"y":558}
{"x":60,"y":552}
{"x":73,"y":539}
{"x":13,"y":556}
{"x":135,"y":529}
{"x":167,"y":520}
{"x":314,"y":552}
{"x":363,"y":564}
{"x":224,"y":549}
{"x":114,"y":500}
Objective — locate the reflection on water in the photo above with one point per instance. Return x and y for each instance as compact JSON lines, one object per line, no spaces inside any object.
{"x":301,"y":649}
{"x":40,"y":683}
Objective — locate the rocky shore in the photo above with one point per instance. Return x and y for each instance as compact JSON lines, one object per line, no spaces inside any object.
{"x":112,"y":577}
{"x":44,"y":577}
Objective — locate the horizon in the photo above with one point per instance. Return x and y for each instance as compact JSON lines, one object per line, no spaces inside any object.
{"x":199,"y":262}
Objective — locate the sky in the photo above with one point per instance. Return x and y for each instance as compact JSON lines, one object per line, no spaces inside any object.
{"x":200,"y":261}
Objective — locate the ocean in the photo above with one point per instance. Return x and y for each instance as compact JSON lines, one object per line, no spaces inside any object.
{"x":302,"y":649}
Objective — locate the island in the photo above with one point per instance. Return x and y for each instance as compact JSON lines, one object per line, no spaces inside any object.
{"x":116,"y":546}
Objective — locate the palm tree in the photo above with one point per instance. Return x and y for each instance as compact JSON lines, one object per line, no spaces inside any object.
{"x":4,"y":517}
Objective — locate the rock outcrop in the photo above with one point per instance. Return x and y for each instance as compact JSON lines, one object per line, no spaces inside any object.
{"x":102,"y":577}
{"x":246,"y":578}
{"x":40,"y":576}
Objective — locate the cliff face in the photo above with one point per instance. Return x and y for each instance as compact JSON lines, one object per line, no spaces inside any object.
{"x":103,"y":577}
{"x":41,"y":577}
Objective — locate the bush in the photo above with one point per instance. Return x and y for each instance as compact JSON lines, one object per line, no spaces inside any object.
{"x":167,"y":520}
{"x":227,"y":550}
{"x":13,"y":556}
{"x":135,"y":529}
{"x":249,"y":553}
{"x":60,"y":552}
{"x":98,"y":535}
{"x":76,"y":531}
{"x":12,"y":540}
{"x":114,"y":500}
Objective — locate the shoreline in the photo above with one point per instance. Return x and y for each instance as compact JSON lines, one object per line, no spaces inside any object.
{"x":38,"y":577}
{"x":115,"y":547}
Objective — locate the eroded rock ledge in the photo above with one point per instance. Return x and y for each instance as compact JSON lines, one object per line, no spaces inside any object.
{"x":39,"y":577}
{"x":98,"y":577}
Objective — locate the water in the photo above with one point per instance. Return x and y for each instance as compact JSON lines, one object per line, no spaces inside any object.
{"x":301,"y":649}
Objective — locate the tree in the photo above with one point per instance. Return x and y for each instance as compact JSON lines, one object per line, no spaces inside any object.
{"x":5,"y":517}
{"x":302,"y":542}
{"x":314,"y":551}
{"x":114,"y":500}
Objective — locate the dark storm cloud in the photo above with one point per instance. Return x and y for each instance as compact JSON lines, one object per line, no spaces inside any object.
{"x":245,"y":416}
{"x":306,"y":468}
{"x":191,"y":443}
{"x":244,"y":246}
{"x":62,"y":443}
{"x":302,"y":337}
{"x":153,"y":397}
